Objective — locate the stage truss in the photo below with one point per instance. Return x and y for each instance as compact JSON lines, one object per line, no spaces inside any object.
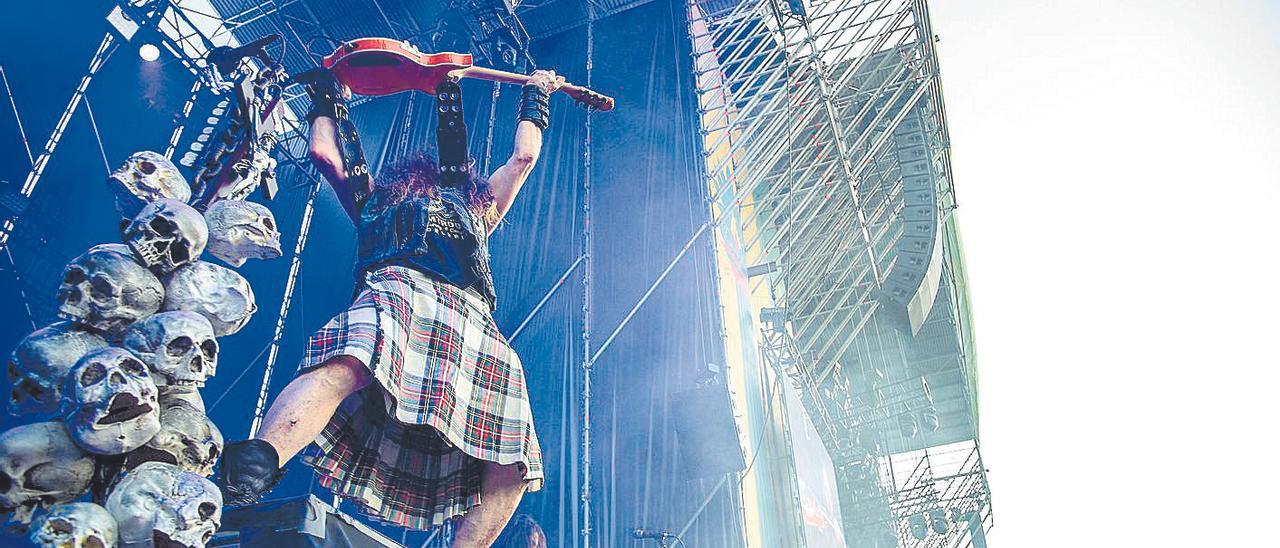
{"x":827,"y":157}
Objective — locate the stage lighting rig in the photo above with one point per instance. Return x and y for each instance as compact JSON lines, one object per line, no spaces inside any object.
{"x":497,"y":33}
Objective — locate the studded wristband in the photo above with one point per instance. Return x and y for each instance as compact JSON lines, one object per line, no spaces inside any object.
{"x":534,"y":107}
{"x":325,"y":91}
{"x":451,"y":134}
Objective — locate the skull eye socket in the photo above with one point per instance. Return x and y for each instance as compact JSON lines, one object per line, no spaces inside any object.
{"x":101,"y":288}
{"x":269,"y":223}
{"x":179,"y":253}
{"x":209,"y":348}
{"x":74,"y":276}
{"x":133,"y":367}
{"x":162,"y":225}
{"x":13,"y":371}
{"x":93,"y":374}
{"x":59,"y":526}
{"x":179,"y":346}
{"x":207,"y":510}
{"x":32,"y":388}
{"x":6,"y":482}
{"x":146,"y":167}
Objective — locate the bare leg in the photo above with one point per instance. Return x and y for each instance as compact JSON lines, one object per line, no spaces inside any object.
{"x":303,"y":408}
{"x":501,"y":488}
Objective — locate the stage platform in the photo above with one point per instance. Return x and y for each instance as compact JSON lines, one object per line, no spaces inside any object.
{"x":301,"y":522}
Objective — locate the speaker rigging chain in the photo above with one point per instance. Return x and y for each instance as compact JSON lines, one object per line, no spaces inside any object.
{"x":587,"y":358}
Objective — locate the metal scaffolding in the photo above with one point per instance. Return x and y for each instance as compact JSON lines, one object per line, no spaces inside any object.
{"x":825,"y":136}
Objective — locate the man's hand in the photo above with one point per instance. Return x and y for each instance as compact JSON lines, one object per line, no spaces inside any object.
{"x":548,"y":80}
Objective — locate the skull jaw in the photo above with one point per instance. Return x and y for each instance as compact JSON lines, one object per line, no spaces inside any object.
{"x":180,"y":539}
{"x":110,"y":328}
{"x":177,"y":383}
{"x":181,"y":395}
{"x":121,"y":428}
{"x":183,"y":375}
{"x":152,"y":256}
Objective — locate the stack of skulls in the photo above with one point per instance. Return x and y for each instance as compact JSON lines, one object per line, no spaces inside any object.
{"x":114,"y":388}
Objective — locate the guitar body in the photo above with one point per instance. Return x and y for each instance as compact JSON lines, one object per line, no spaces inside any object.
{"x":382,"y":66}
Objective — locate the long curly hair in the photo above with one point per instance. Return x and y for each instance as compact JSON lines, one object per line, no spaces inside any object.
{"x":417,"y":175}
{"x":522,"y":532}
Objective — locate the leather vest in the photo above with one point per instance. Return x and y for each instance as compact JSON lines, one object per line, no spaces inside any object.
{"x":439,"y":236}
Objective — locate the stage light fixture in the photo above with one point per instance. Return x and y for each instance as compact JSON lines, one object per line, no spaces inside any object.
{"x":149,"y":52}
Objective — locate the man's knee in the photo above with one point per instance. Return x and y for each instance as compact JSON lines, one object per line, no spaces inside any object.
{"x":344,"y":375}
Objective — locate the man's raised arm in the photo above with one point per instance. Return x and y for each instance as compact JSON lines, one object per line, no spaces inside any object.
{"x":334,"y":144}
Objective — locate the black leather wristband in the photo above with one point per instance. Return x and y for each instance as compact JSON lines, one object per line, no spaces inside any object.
{"x":451,"y":134}
{"x":534,"y":106}
{"x":325,"y":91}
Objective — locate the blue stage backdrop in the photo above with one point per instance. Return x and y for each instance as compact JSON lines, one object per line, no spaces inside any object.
{"x":647,"y":198}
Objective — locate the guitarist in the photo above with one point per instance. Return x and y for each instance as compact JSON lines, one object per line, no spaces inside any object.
{"x":417,"y":405}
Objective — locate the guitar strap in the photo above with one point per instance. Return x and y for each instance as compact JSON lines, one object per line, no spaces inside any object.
{"x":451,"y":134}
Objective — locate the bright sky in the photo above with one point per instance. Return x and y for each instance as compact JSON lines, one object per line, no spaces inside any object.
{"x":1118,"y":170}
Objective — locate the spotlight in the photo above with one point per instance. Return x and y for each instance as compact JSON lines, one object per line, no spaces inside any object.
{"x":149,"y":52}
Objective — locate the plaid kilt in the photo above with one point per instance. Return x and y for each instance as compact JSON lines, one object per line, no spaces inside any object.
{"x":450,"y":394}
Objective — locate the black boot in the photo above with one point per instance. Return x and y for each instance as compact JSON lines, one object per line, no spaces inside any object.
{"x":250,"y":468}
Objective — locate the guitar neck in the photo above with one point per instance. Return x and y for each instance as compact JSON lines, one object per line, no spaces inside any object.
{"x":580,"y":93}
{"x":495,"y":75}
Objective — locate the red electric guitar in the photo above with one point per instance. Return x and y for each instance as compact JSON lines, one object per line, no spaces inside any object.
{"x":383,"y":66}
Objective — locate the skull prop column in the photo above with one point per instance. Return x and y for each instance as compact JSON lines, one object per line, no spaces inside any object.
{"x":41,"y":361}
{"x":188,"y":395}
{"x":41,"y":466}
{"x":167,"y":234}
{"x":187,"y":438}
{"x":145,"y":177}
{"x":109,"y":402}
{"x":240,"y":230}
{"x":75,"y":525}
{"x":162,"y":505}
{"x":217,"y":292}
{"x":178,"y":346}
{"x":107,"y":290}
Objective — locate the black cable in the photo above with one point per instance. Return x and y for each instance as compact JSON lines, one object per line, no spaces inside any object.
{"x":243,"y":372}
{"x":333,"y":43}
{"x":768,"y":412}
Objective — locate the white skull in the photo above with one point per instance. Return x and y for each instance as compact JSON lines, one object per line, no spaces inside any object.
{"x":178,"y":346}
{"x":187,"y":438}
{"x":106,"y":289}
{"x":75,"y":525}
{"x":41,"y":466}
{"x":143,"y":178}
{"x":240,"y":230}
{"x":167,"y":234}
{"x":109,"y":402}
{"x":159,"y":504}
{"x":217,"y":292}
{"x":41,"y":361}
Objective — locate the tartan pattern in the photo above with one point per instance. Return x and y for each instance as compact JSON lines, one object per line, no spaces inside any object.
{"x":440,"y":361}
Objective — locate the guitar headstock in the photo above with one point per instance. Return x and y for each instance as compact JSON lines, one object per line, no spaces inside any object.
{"x":591,"y":100}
